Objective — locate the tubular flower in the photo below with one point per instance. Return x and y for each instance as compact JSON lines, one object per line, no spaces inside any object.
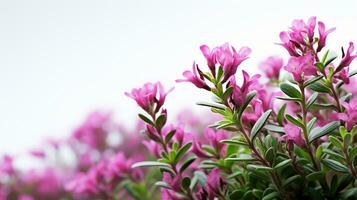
{"x":230,"y":60}
{"x":196,"y":79}
{"x":150,"y":97}
{"x":210,"y":57}
{"x":293,"y":135}
{"x":348,"y":58}
{"x":323,"y":33}
{"x":350,"y":115}
{"x":301,"y":67}
{"x":271,"y":67}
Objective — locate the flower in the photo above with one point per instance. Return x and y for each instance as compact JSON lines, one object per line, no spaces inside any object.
{"x":150,"y":97}
{"x":350,"y":114}
{"x":194,"y":78}
{"x":301,"y":67}
{"x":271,"y":67}
{"x":230,"y":60}
{"x":293,"y":135}
{"x":215,"y":138}
{"x":346,"y":58}
{"x":240,"y":93}
{"x":323,"y":33}
{"x":210,"y":57}
{"x":213,"y":183}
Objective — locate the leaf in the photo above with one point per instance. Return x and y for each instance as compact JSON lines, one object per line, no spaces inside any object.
{"x":314,"y":176}
{"x":145,"y":119}
{"x":163,"y":184}
{"x":311,"y":100}
{"x":319,"y":87}
{"x":234,"y":142}
{"x":330,"y":60}
{"x":290,"y":180}
{"x":160,"y":121}
{"x":185,"y":183}
{"x":187,"y":163}
{"x":249,"y":98}
{"x":259,"y":167}
{"x":352,"y":73}
{"x":332,"y":153}
{"x":169,"y":136}
{"x":282,"y":164}
{"x":242,"y":157}
{"x":199,"y":177}
{"x":150,"y":164}
{"x":183,"y":150}
{"x":270,"y":196}
{"x":294,"y":121}
{"x":274,"y":128}
{"x":311,"y":124}
{"x":280,"y":116}
{"x":289,"y":99}
{"x":290,"y":90}
{"x":336,"y":142}
{"x":259,"y":124}
{"x":313,"y":80}
{"x":211,"y":105}
{"x":335,"y":165}
{"x":318,"y":132}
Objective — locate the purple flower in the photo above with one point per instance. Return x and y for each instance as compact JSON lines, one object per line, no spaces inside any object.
{"x":350,"y":114}
{"x":25,"y":197}
{"x":150,"y":97}
{"x":301,"y":66}
{"x":213,"y":183}
{"x":210,"y":57}
{"x":6,"y":165}
{"x":214,"y":138}
{"x":348,"y":58}
{"x":239,"y":93}
{"x":293,"y":135}
{"x":323,"y":33}
{"x":196,"y":79}
{"x":230,"y":60}
{"x":272,"y":66}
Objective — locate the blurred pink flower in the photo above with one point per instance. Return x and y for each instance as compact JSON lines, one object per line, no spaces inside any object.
{"x":272,"y":66}
{"x":301,"y":67}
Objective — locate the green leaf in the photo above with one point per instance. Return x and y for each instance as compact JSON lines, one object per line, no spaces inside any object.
{"x":259,"y":167}
{"x":314,"y":176}
{"x":274,"y":128}
{"x":187,"y":163}
{"x":336,"y":142}
{"x":335,"y":165}
{"x":150,"y":164}
{"x":182,"y":151}
{"x":145,"y":119}
{"x":332,"y":153}
{"x":318,"y":132}
{"x":281,"y":113}
{"x":289,"y":99}
{"x":313,"y":80}
{"x":211,"y":105}
{"x":290,"y":90}
{"x":311,"y":100}
{"x":160,"y":121}
{"x":259,"y":124}
{"x":319,"y":87}
{"x":236,"y":194}
{"x":169,"y":136}
{"x":352,"y":73}
{"x":330,"y":60}
{"x":290,"y":180}
{"x":242,"y":157}
{"x":282,"y":164}
{"x":249,"y":98}
{"x":311,"y":124}
{"x":353,"y":153}
{"x":234,"y":142}
{"x":185,"y":183}
{"x":273,"y":195}
{"x":198,"y":177}
{"x":294,"y":121}
{"x":162,"y":184}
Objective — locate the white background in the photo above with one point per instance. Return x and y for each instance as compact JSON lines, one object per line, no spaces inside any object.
{"x":61,"y":59}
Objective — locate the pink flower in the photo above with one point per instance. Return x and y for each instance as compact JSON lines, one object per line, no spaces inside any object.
{"x":25,"y":197}
{"x":214,"y":138}
{"x":323,"y":33}
{"x":350,"y":114}
{"x":210,"y":57}
{"x":150,"y":97}
{"x":213,"y":183}
{"x":239,"y":93}
{"x":272,"y":66}
{"x":230,"y":60}
{"x":300,"y":67}
{"x":6,"y":165}
{"x":196,"y":79}
{"x":293,"y":135}
{"x":348,"y":58}
{"x":197,"y":149}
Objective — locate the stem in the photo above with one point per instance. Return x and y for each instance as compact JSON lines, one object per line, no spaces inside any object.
{"x":335,"y":96}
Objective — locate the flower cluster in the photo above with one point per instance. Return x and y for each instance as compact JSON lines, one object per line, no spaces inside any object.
{"x":288,"y":133}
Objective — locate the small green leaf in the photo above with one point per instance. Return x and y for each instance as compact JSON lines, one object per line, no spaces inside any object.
{"x":274,"y":128}
{"x":187,"y":163}
{"x":212,"y":105}
{"x":294,"y":121}
{"x":332,"y":153}
{"x":169,"y":136}
{"x":160,"y":121}
{"x":259,"y":167}
{"x":318,"y":132}
{"x":335,"y":165}
{"x":145,"y":119}
{"x":273,"y":195}
{"x":314,"y":176}
{"x":290,"y":180}
{"x":281,"y":113}
{"x":319,"y":87}
{"x":242,"y":157}
{"x":290,"y":90}
{"x":282,"y":164}
{"x":259,"y":124}
{"x":150,"y":164}
{"x":234,"y":142}
{"x":311,"y":100}
{"x":249,"y":98}
{"x":185,"y":183}
{"x":183,"y":150}
{"x":311,"y":124}
{"x":162,"y":184}
{"x":289,"y":99}
{"x":336,"y":142}
{"x":313,"y":80}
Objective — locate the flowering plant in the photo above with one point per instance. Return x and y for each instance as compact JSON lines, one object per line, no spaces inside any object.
{"x":288,"y":133}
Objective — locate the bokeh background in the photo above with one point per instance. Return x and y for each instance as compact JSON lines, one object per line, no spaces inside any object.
{"x":59,"y":60}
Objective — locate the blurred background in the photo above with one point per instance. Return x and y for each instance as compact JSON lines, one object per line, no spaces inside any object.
{"x":59,"y":60}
